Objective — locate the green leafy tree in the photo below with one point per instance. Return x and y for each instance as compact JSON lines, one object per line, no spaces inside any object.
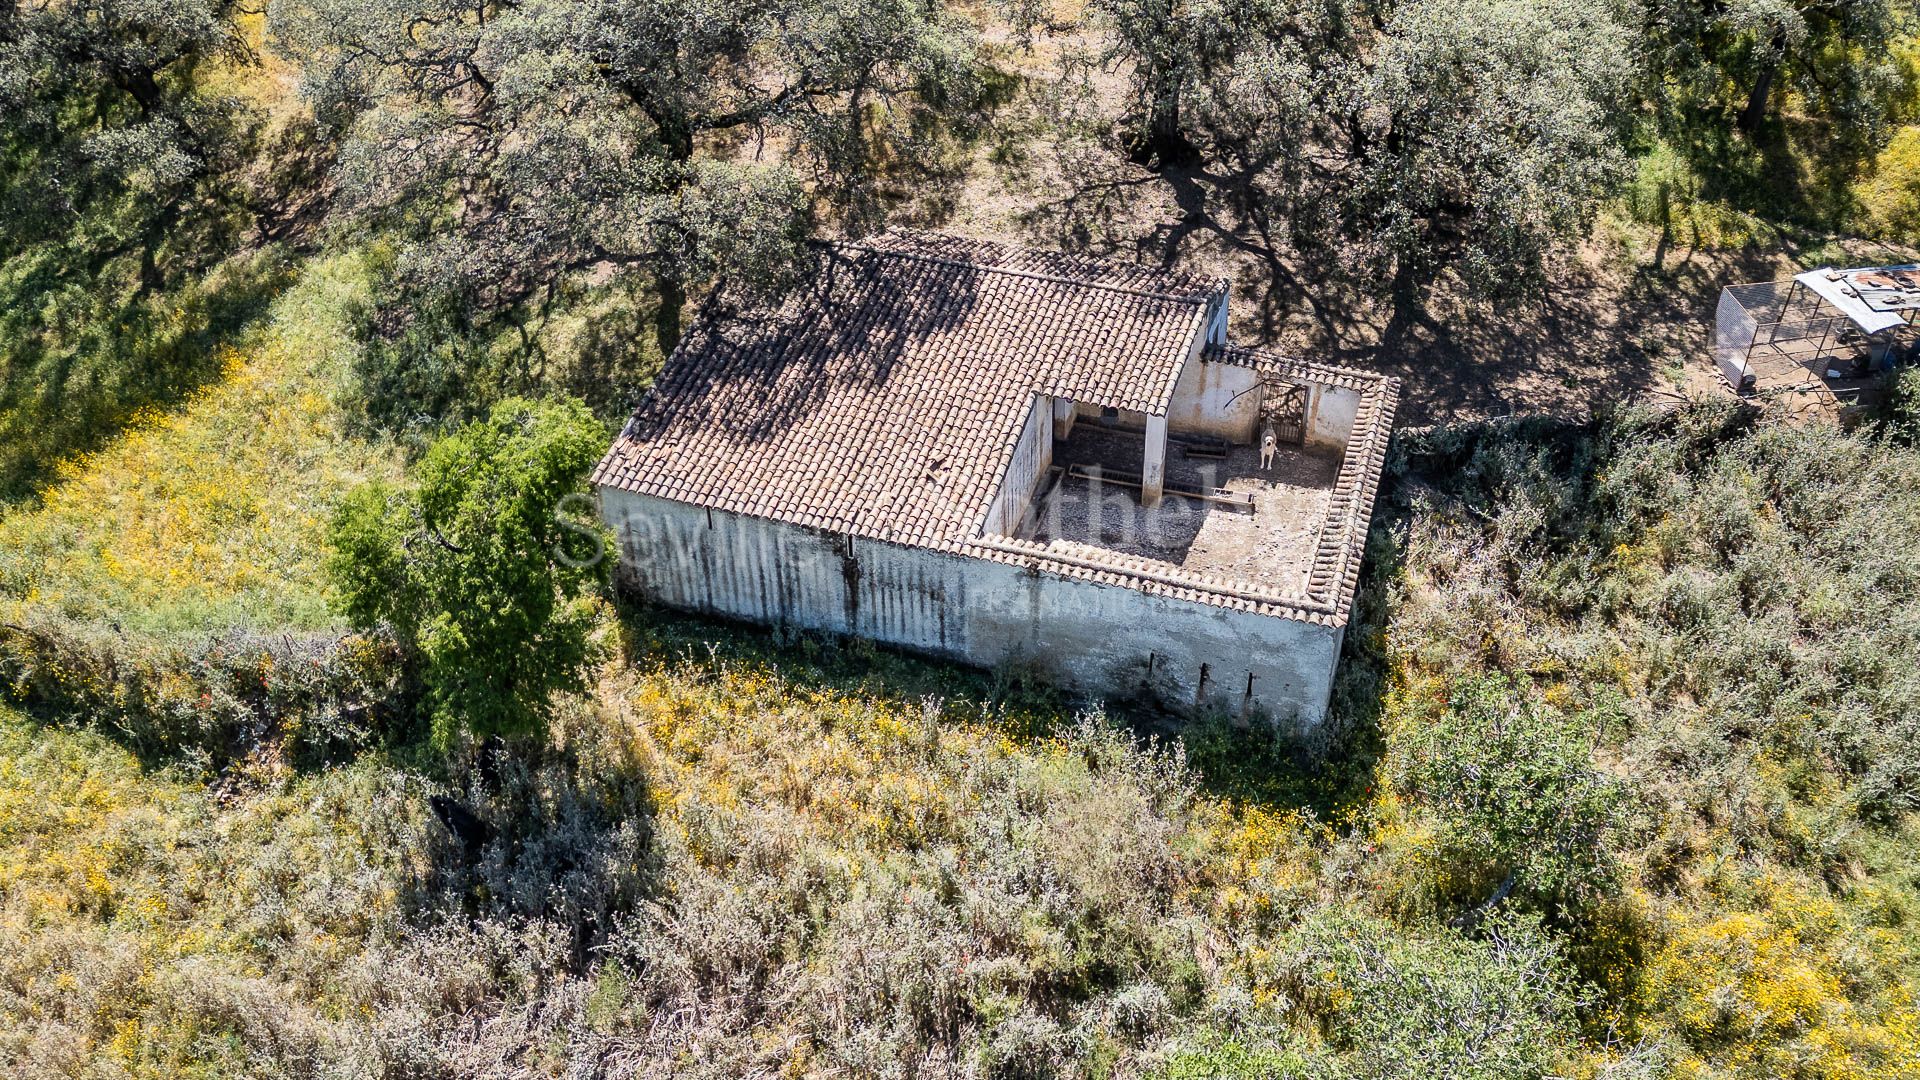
{"x":117,"y":197}
{"x":1486,"y":132}
{"x":489,"y":569}
{"x":100,"y":110}
{"x":1175,"y":48}
{"x":1514,"y":789}
{"x":1779,"y":106}
{"x":1415,"y":143}
{"x":512,"y":144}
{"x":1180,"y":54}
{"x":1721,"y":61}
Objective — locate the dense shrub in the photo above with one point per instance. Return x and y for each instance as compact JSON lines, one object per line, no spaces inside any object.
{"x":1900,"y":415}
{"x":1737,"y":604}
{"x":729,"y":866}
{"x":309,"y":698}
{"x":1516,"y":796}
{"x":1403,"y":1005}
{"x":1750,"y":587}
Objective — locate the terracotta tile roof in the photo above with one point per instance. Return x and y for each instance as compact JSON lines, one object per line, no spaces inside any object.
{"x":1289,"y":368}
{"x":885,"y":397}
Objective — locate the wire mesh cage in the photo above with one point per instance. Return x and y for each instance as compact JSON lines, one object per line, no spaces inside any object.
{"x":1783,"y":336}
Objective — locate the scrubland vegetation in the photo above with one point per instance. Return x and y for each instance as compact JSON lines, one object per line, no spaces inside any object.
{"x":318,"y":758}
{"x":1597,"y":804}
{"x":211,"y":513}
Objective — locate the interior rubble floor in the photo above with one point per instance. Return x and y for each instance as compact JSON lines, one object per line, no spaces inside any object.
{"x":1271,"y":547}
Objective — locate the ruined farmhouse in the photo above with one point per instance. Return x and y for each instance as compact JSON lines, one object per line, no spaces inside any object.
{"x":1004,"y":456}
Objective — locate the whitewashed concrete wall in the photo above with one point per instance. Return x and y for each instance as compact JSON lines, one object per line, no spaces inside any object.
{"x":1096,"y":638}
{"x":1216,"y":399}
{"x":1064,"y":414}
{"x":1032,"y":456}
{"x":1331,"y":411}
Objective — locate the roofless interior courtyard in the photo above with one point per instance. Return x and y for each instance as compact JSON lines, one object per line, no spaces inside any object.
{"x":1227,"y":509}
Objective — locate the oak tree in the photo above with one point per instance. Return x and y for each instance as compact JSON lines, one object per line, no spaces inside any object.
{"x":117,"y":193}
{"x":516,"y":142}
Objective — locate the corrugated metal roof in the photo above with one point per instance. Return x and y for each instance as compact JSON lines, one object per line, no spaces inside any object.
{"x":1832,"y":288}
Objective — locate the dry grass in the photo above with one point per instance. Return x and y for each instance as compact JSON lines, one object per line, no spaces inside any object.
{"x":211,"y":514}
{"x":822,"y":860}
{"x":819,"y":860}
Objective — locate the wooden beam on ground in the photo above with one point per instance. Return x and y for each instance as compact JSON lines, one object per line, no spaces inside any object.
{"x":1238,"y":499}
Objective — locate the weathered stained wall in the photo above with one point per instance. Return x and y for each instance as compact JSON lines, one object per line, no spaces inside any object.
{"x":1032,"y":456}
{"x":1331,"y":411}
{"x":1093,"y":637}
{"x":1221,"y":400}
{"x":1216,"y":399}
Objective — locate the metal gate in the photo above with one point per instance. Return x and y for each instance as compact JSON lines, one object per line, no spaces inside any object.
{"x":1285,"y":408}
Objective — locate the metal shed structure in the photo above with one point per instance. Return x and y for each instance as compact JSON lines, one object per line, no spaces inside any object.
{"x":1825,"y":332}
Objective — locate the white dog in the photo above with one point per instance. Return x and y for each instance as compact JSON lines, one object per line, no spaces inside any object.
{"x":1268,"y":444}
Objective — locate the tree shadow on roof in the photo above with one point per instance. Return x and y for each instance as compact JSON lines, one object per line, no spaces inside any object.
{"x":848,"y":323}
{"x":860,"y":319}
